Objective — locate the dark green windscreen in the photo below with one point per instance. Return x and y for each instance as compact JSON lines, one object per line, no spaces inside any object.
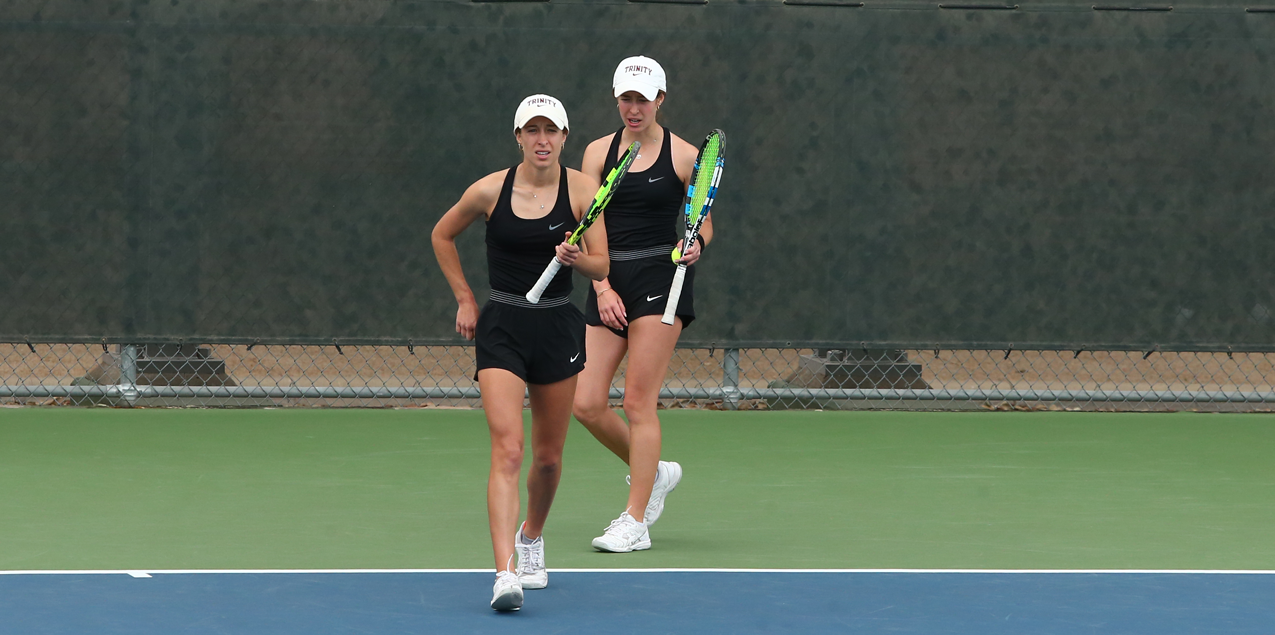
{"x":897,"y":172}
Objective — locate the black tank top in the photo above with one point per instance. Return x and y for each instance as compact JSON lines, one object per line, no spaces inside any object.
{"x":646,"y":209}
{"x":518,"y":249}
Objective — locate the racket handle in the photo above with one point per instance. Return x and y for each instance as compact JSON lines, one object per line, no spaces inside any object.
{"x":533,"y":296}
{"x":674,"y":294}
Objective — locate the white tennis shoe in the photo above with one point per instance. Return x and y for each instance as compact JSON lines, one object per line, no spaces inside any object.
{"x":625,"y":534}
{"x":667,"y":475}
{"x":531,"y":562}
{"x":506,"y":595}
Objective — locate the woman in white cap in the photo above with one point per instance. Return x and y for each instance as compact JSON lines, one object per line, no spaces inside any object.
{"x":624,"y":309}
{"x":529,"y":209}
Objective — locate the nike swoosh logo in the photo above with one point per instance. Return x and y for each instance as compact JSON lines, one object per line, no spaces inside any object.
{"x":574,"y":358}
{"x":553,"y":227}
{"x":653,"y":180}
{"x":650,"y":299}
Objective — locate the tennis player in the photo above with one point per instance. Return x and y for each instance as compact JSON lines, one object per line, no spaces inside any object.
{"x":529,"y":209}
{"x":624,"y":309}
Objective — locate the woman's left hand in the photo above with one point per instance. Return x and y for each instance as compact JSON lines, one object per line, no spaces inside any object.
{"x":567,"y":254}
{"x":691,"y":254}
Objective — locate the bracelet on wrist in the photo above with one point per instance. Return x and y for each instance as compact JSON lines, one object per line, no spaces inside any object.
{"x":599,"y":293}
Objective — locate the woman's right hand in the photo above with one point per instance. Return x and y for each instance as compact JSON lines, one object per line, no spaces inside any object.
{"x":611,"y":310}
{"x":467,"y":319}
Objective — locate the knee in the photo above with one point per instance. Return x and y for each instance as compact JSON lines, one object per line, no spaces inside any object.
{"x":639,"y":409}
{"x":589,"y":410}
{"x":506,"y":457}
{"x":546,"y":458}
{"x":548,"y":466}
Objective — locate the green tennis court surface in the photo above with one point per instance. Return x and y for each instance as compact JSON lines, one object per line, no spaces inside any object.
{"x":97,"y":489}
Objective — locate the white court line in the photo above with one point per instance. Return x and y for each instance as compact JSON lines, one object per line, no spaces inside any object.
{"x":153,"y":572}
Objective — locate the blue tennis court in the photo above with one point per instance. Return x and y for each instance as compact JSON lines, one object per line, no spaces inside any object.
{"x":629,"y":601}
{"x":301,"y":522}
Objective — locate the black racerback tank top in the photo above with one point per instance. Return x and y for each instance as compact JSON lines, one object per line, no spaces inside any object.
{"x":645,"y":210}
{"x":519,"y":249}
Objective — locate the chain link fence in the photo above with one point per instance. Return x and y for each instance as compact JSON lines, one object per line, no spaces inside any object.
{"x":409,"y":375}
{"x":1052,"y":172}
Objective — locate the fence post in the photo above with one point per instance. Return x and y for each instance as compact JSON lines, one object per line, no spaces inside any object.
{"x":730,"y":379}
{"x":128,"y":374}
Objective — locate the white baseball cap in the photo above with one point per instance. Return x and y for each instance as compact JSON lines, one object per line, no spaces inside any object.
{"x":639,"y":73}
{"x":540,"y":106}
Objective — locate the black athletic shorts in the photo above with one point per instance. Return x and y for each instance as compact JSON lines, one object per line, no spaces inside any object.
{"x":540,"y":344}
{"x":643,"y":285}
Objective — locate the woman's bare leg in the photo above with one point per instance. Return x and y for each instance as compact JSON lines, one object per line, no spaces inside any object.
{"x":502,"y":394}
{"x":604,"y":351}
{"x":550,"y":418}
{"x":651,"y":345}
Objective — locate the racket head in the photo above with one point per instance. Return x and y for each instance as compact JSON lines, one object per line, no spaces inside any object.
{"x":607,"y":189}
{"x":703,"y":187}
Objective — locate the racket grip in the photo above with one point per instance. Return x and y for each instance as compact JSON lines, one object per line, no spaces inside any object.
{"x":533,"y":296}
{"x":674,"y":295}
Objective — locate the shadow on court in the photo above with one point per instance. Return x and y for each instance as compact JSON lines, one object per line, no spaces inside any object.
{"x":641,"y":602}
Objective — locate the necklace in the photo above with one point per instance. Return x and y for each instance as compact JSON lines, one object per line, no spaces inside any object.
{"x":645,"y":144}
{"x":533,"y":195}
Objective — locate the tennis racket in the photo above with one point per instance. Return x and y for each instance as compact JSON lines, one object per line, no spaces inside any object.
{"x":699,"y":201}
{"x":600,"y":201}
